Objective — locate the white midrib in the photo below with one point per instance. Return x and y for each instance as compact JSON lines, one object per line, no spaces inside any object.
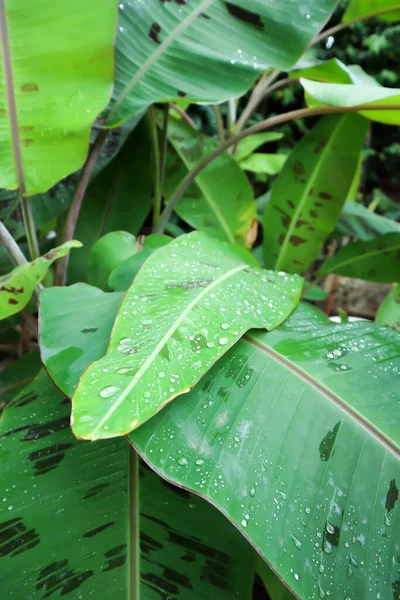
{"x":305,"y":194}
{"x":10,"y":96}
{"x":160,"y":49}
{"x":162,"y":343}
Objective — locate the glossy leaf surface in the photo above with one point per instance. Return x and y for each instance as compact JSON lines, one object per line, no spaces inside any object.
{"x":371,"y":8}
{"x":270,"y":164}
{"x":220,"y":201}
{"x":310,"y":191}
{"x":372,"y":260}
{"x":370,"y":94}
{"x":389,"y":311}
{"x":294,"y":436}
{"x":17,"y":287}
{"x":206,"y":50}
{"x":74,"y":328}
{"x":191,"y":301}
{"x":66,"y":517}
{"x":107,"y":253}
{"x":59,"y":78}
{"x":357,"y":221}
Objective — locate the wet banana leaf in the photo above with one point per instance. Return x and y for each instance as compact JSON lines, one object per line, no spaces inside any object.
{"x":388,"y":10}
{"x":67,"y":513}
{"x":191,"y":301}
{"x":294,"y":436}
{"x":55,"y":81}
{"x":389,"y":311}
{"x":17,"y":287}
{"x":365,"y":92}
{"x":205,"y":50}
{"x":310,"y":191}
{"x":220,"y":201}
{"x":371,"y":260}
{"x":74,"y":329}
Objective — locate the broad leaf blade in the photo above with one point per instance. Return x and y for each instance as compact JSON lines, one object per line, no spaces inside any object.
{"x":74,"y":329}
{"x":159,"y":55}
{"x":372,"y":260}
{"x":17,"y":287}
{"x":294,"y":436}
{"x":388,"y":10}
{"x":357,"y":221}
{"x":65,"y":518}
{"x":310,"y":191}
{"x":220,"y":201}
{"x":389,"y":311}
{"x":176,"y":320}
{"x":57,"y":80}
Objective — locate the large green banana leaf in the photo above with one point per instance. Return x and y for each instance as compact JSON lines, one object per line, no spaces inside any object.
{"x":294,"y":435}
{"x":190,"y":302}
{"x":205,"y":50}
{"x":67,"y":515}
{"x":56,"y":74}
{"x":310,"y":191}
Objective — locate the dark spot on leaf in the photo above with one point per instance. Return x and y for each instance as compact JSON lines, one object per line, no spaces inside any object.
{"x":181,"y":94}
{"x":29,"y":87}
{"x":25,"y":399}
{"x":49,"y":458}
{"x":314,"y":214}
{"x":26,"y":128}
{"x":285,"y":218}
{"x":97,"y":530}
{"x":319,"y":146}
{"x":154,"y":32}
{"x":188,"y":557}
{"x":158,"y":582}
{"x":281,"y":239}
{"x":295,"y":240}
{"x":89,"y":330}
{"x":179,"y":2}
{"x":198,"y":547}
{"x":217,"y":574}
{"x":300,"y":223}
{"x":291,"y":204}
{"x":245,"y":15}
{"x":58,"y":576}
{"x":298,"y":170}
{"x":12,"y":301}
{"x":392,"y":496}
{"x":326,"y":446}
{"x":204,"y":16}
{"x":116,"y":557}
{"x":318,"y":204}
{"x":149,"y":544}
{"x":26,"y":142}
{"x":15,"y":538}
{"x":325,"y":196}
{"x":310,"y":193}
{"x":93,"y":491}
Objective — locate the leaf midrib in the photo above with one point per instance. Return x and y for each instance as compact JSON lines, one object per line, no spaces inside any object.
{"x":327,"y":393}
{"x":158,"y":52}
{"x":362,"y":257}
{"x":307,"y":188}
{"x":150,"y":359}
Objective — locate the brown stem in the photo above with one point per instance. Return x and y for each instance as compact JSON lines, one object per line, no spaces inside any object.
{"x":184,"y":116}
{"x":73,"y":213}
{"x":301,"y":113}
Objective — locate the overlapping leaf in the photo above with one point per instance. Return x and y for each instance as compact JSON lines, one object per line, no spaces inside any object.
{"x":388,"y":10}
{"x":310,"y":191}
{"x":205,"y":50}
{"x":294,"y":436}
{"x":389,"y":311}
{"x":191,"y":301}
{"x":107,"y":253}
{"x":67,"y":515}
{"x":357,"y":221}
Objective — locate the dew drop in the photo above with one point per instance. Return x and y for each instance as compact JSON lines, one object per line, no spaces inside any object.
{"x":109,"y":391}
{"x":223,"y":341}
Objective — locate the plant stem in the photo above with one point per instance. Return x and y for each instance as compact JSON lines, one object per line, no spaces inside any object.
{"x":29,"y":225}
{"x":255,"y":98}
{"x":155,"y":143}
{"x":134,"y":519}
{"x":184,"y":116}
{"x":332,"y":30}
{"x":11,"y":247}
{"x":220,"y":123}
{"x":301,"y":113}
{"x":164,"y":147}
{"x":73,"y":213}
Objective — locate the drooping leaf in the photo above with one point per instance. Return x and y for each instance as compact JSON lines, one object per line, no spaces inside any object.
{"x":87,"y":312}
{"x":119,"y":198}
{"x":372,"y":8}
{"x":17,"y":287}
{"x":57,"y":79}
{"x":270,"y":164}
{"x":67,"y":515}
{"x":371,"y":260}
{"x":191,"y":301}
{"x":310,"y":191}
{"x":356,"y":220}
{"x":205,"y":50}
{"x":250,"y":143}
{"x":294,"y":436}
{"x":122,"y":276}
{"x":220,"y":201}
{"x":18,"y":375}
{"x":372,"y":94}
{"x":329,"y":71}
{"x":107,"y":253}
{"x":389,"y":311}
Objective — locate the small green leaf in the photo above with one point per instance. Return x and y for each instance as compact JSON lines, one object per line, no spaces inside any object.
{"x":250,"y":143}
{"x":192,"y":300}
{"x":329,"y":71}
{"x":220,"y":201}
{"x":270,"y":164}
{"x":372,"y":8}
{"x":389,"y":311}
{"x":16,"y":288}
{"x":373,"y":260}
{"x":309,"y":193}
{"x":107,"y":253}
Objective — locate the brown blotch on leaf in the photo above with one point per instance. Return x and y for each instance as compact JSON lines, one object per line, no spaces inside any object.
{"x":181,"y":94}
{"x":154,"y":32}
{"x":300,"y":223}
{"x":26,"y":128}
{"x":318,"y":204}
{"x":314,"y":214}
{"x":295,"y":240}
{"x":392,"y":496}
{"x":290,"y":203}
{"x":29,"y":87}
{"x":27,"y":142}
{"x":285,"y":218}
{"x":245,"y":15}
{"x":319,"y":147}
{"x":325,"y":196}
{"x":12,"y":301}
{"x":310,"y":193}
{"x":251,"y":235}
